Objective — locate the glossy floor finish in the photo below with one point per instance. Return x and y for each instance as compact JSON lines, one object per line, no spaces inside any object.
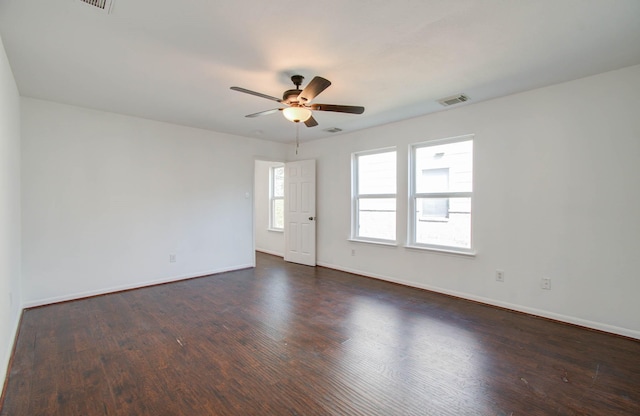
{"x":285,"y":339}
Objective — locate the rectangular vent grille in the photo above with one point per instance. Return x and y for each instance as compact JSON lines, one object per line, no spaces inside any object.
{"x":98,"y":5}
{"x":333,"y":130}
{"x":456,"y":99}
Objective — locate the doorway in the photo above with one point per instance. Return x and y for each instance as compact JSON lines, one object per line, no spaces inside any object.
{"x":284,"y":221}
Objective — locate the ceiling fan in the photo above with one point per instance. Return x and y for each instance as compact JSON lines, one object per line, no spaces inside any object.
{"x":298,"y":101}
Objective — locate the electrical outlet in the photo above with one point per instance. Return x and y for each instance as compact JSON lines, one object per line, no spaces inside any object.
{"x":353,"y":251}
{"x":172,"y":258}
{"x":500,"y":275}
{"x":545,"y":283}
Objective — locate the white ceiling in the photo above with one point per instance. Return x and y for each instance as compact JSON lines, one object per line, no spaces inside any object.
{"x":174,"y":61}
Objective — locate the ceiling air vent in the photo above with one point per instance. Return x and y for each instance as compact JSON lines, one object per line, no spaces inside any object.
{"x":333,"y":130}
{"x":103,"y":6}
{"x":456,"y":99}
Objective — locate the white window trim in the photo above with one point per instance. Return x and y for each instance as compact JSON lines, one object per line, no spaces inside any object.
{"x":273,"y":198}
{"x":377,"y":242}
{"x":413,"y":196}
{"x":443,"y":249}
{"x":355,"y":198}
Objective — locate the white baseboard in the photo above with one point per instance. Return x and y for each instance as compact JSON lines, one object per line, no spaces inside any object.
{"x":519,"y":308}
{"x":79,"y":295}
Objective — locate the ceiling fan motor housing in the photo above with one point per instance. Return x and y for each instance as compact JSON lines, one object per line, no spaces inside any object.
{"x":291,"y":96}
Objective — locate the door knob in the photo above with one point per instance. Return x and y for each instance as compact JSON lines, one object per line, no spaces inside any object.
{"x":312,"y":218}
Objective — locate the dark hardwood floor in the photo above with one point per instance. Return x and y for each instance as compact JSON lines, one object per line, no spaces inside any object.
{"x":285,"y":339}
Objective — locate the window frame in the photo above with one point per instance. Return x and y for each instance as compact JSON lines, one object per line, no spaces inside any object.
{"x":356,"y":197}
{"x":413,"y":216}
{"x":273,"y":198}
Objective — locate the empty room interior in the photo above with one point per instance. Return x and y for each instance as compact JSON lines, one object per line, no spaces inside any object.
{"x":424,"y":207}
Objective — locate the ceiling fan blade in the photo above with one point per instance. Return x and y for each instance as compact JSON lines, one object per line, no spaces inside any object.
{"x":264,"y":113}
{"x":257,"y":94}
{"x":315,"y":87}
{"x":337,"y":108}
{"x":311,"y":122}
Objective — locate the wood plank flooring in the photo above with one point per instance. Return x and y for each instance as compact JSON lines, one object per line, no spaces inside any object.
{"x":286,"y":339}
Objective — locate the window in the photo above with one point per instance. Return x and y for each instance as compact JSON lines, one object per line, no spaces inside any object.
{"x":441,"y":191}
{"x":374,"y":196}
{"x":276,"y":197}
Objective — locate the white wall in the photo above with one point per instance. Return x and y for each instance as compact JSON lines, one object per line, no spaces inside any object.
{"x":107,"y":198}
{"x":556,"y":195}
{"x":10,"y":297}
{"x":267,"y":241}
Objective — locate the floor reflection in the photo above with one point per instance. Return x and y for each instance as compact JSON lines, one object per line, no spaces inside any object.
{"x":435,"y":359}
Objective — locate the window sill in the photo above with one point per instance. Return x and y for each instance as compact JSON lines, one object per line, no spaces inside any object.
{"x":443,"y":250}
{"x":275,"y":230}
{"x":376,"y":242}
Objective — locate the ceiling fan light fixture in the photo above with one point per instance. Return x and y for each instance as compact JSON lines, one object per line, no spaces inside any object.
{"x":297,"y":114}
{"x":296,"y":101}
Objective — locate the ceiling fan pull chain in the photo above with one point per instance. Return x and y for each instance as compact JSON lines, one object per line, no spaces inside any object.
{"x":297,"y":136}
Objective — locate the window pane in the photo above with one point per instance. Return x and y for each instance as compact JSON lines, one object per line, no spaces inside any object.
{"x":434,"y":209}
{"x":444,"y":168}
{"x":436,"y":180}
{"x":455,"y":232}
{"x":377,"y":173}
{"x":278,"y":181}
{"x":278,"y":213}
{"x":377,"y":218}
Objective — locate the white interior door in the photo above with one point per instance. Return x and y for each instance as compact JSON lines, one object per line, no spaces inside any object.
{"x":300,"y":212}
